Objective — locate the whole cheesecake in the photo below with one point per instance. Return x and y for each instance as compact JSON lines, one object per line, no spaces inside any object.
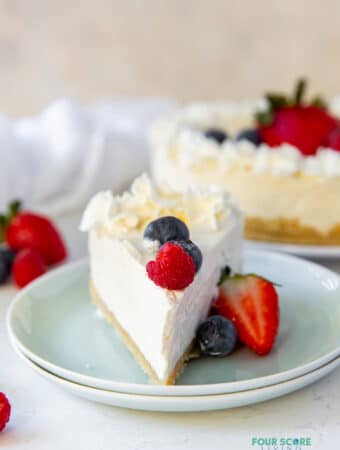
{"x":279,"y":158}
{"x":156,"y":257}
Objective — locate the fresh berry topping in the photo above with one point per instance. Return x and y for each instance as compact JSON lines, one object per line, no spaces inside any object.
{"x":216,"y":336}
{"x":27,"y":266}
{"x":303,"y":127}
{"x":166,"y":229}
{"x":173,"y":269}
{"x":293,"y":121}
{"x":333,"y":139}
{"x":5,"y":411}
{"x":251,"y":134}
{"x":33,"y":231}
{"x":192,"y":250}
{"x":217,"y":135}
{"x":6,"y":261}
{"x":251,"y":303}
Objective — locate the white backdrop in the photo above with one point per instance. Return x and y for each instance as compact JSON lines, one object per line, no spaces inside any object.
{"x":56,"y":160}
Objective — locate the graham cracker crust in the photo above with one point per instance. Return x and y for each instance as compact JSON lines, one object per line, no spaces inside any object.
{"x":289,"y":231}
{"x":132,"y":346}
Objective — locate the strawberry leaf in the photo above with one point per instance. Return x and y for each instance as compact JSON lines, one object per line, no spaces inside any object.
{"x":264,"y":117}
{"x":318,"y":102}
{"x":5,"y":219}
{"x":278,"y":101}
{"x":3,"y":226}
{"x":13,"y":209}
{"x":275,"y":102}
{"x":300,"y":90}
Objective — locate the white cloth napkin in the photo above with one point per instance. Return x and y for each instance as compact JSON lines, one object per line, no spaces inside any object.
{"x":56,"y":160}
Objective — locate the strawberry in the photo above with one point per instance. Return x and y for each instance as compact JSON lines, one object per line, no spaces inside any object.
{"x":5,"y":411}
{"x":174,"y":268}
{"x":333,"y":139}
{"x":251,"y":303}
{"x":27,"y":266}
{"x":294,"y":122}
{"x":29,"y":230}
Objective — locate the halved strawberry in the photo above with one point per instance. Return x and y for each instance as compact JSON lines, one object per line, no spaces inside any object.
{"x":251,"y":303}
{"x":293,"y":121}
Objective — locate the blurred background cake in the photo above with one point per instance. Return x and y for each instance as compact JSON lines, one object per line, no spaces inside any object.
{"x":279,"y":157}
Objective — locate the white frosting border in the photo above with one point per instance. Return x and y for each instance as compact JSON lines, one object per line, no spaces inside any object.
{"x":125,"y":215}
{"x":181,"y":139}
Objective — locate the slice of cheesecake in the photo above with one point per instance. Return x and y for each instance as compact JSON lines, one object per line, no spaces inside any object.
{"x":157,"y":322}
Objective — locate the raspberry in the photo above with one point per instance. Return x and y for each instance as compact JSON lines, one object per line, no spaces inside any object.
{"x":174,"y":268}
{"x":5,"y":411}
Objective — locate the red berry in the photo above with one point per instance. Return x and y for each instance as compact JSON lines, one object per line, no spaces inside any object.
{"x":305,"y":127}
{"x":251,"y":303}
{"x":27,"y":266}
{"x":174,"y":268}
{"x":5,"y":411}
{"x":333,"y":139}
{"x":29,"y":230}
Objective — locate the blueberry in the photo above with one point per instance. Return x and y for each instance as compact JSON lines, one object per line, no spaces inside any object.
{"x":6,"y":260}
{"x":4,"y":272}
{"x":216,"y":336}
{"x":193,"y":251}
{"x":166,"y":229}
{"x":218,"y":135}
{"x":9,"y":255}
{"x":250,"y":134}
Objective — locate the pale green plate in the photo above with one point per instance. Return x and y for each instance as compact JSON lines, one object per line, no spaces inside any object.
{"x":54,"y":323}
{"x":183,"y":403}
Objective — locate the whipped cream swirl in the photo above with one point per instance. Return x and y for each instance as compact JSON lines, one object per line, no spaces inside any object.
{"x":129,"y":213}
{"x":181,"y":138}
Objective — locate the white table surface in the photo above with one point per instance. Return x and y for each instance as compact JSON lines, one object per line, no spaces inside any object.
{"x":45,"y":417}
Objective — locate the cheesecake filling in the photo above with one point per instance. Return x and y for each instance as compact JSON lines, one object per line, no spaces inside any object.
{"x":160,"y":322}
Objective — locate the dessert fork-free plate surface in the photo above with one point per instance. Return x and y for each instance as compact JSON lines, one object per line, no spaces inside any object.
{"x":184,"y":403}
{"x":54,"y":324}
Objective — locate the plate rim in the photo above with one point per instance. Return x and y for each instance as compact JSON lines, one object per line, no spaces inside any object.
{"x":203,"y":401}
{"x":309,"y":251}
{"x":180,"y":390}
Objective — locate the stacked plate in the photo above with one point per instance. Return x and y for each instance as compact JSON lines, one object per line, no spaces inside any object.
{"x":324,"y":252}
{"x":56,"y":330}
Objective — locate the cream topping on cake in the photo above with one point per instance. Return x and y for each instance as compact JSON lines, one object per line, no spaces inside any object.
{"x":127,"y":215}
{"x":181,"y":138}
